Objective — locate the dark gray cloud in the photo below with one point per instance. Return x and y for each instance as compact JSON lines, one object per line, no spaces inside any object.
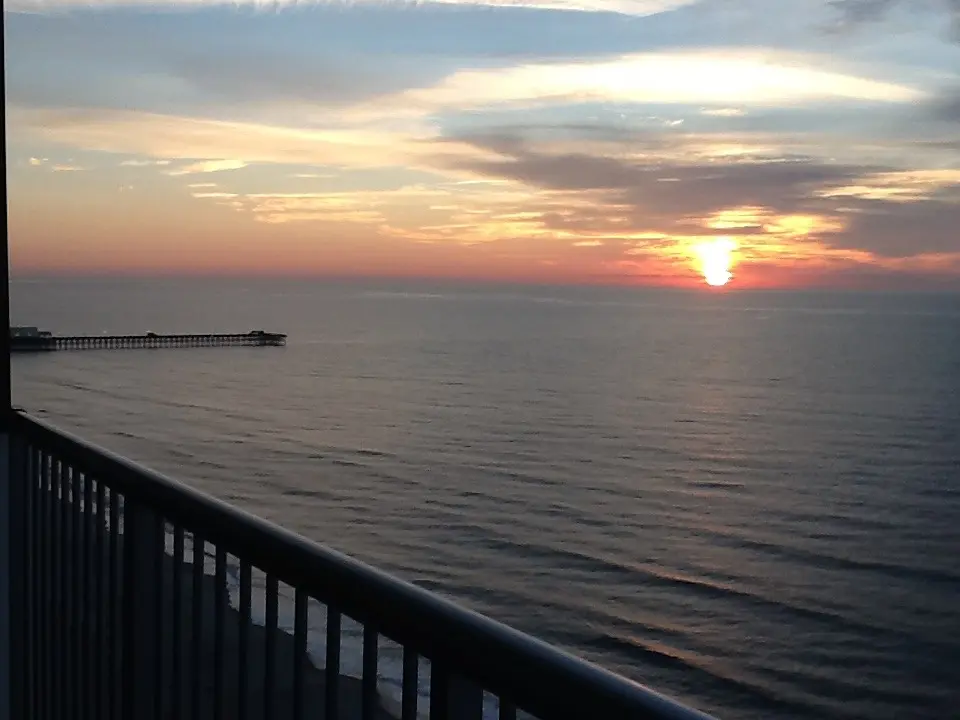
{"x":857,"y":12}
{"x":676,"y":198}
{"x":157,"y":64}
{"x":951,"y":108}
{"x":671,"y":189}
{"x":947,"y":106}
{"x":245,"y":76}
{"x":903,"y":229}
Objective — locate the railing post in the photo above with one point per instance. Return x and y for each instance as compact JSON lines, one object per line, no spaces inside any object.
{"x":143,"y":549}
{"x":12,"y":577}
{"x":17,"y":450}
{"x":7,"y":513}
{"x":6,"y":578}
{"x":466,"y":699}
{"x":453,"y":697}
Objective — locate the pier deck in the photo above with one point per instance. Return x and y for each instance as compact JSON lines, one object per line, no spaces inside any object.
{"x":47,"y":343}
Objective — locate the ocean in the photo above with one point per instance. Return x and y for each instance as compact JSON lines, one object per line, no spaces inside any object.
{"x":747,"y":500}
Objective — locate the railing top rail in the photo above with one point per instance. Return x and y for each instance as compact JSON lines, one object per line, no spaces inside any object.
{"x":537,"y":677}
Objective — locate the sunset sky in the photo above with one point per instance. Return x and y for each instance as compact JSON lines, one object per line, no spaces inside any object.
{"x":813,"y":143}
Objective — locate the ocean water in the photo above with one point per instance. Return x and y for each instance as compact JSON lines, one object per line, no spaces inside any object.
{"x":749,"y":501}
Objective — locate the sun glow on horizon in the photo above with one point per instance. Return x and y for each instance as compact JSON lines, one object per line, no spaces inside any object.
{"x":716,"y":261}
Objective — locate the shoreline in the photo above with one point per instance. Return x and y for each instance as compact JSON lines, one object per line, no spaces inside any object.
{"x":281,"y":707}
{"x":314,"y":678}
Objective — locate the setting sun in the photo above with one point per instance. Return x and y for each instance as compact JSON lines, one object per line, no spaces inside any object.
{"x":716,"y":259}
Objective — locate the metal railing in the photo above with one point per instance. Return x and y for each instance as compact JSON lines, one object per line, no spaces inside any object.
{"x":115,"y":614}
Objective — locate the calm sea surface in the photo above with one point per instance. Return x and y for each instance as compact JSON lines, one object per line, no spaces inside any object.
{"x":750,"y":501}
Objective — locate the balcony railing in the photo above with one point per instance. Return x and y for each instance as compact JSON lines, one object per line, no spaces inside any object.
{"x":115,"y":614}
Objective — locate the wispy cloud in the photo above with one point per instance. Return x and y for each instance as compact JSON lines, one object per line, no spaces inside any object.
{"x":855,"y":12}
{"x":716,"y":77}
{"x":208,"y":166}
{"x":723,"y":112}
{"x":625,"y":7}
{"x":214,"y":145}
{"x":363,"y":207}
{"x":214,"y":195}
{"x":52,"y":166}
{"x":904,"y":186}
{"x":143,"y":163}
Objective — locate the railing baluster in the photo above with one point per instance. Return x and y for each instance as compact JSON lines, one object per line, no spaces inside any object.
{"x":220,"y":602}
{"x":89,"y":640}
{"x":53,"y":584}
{"x":63,"y":605}
{"x":466,"y":699}
{"x":32,"y":551}
{"x":159,"y":564}
{"x":76,"y":592}
{"x":411,"y":683}
{"x":116,"y":635}
{"x":55,"y":641}
{"x":196,"y":626}
{"x":369,"y":681}
{"x":47,"y":576}
{"x":63,"y":626}
{"x":51,"y":570}
{"x":270,"y":656}
{"x":300,"y":624}
{"x":36,"y":604}
{"x":16,"y":548}
{"x":69,"y":618}
{"x":85,"y":497}
{"x":99,"y":626}
{"x":143,"y":543}
{"x":176,"y":631}
{"x":332,"y":669}
{"x":439,"y":692}
{"x":243,"y":654}
{"x":20,"y":612}
{"x":453,"y":697}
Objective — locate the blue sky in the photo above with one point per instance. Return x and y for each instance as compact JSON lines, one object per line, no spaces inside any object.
{"x":565,"y":139}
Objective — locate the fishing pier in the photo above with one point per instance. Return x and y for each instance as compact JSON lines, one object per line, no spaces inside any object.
{"x":29,"y":339}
